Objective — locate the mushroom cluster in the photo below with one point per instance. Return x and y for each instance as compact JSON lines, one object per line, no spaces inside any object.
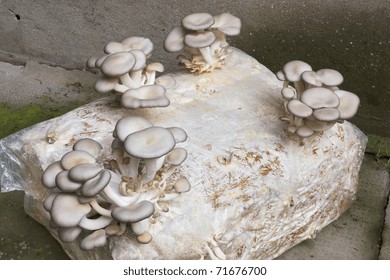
{"x":96,"y":198}
{"x":313,"y":99}
{"x":202,"y":37}
{"x":125,"y":70}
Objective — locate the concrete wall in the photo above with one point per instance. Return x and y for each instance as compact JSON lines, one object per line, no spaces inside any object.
{"x":352,"y":36}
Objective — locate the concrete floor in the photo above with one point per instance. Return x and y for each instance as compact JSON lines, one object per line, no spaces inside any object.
{"x":363,"y":232}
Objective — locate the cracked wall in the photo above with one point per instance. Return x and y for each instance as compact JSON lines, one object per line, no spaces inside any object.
{"x":351,"y":36}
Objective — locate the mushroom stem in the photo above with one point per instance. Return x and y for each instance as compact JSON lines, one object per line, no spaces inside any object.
{"x":298,"y":121}
{"x":133,"y":168}
{"x":150,"y":77}
{"x":128,"y":82}
{"x":299,"y":88}
{"x":140,"y":227}
{"x":206,"y":53}
{"x":136,"y":76}
{"x":285,"y":83}
{"x":99,"y":209}
{"x":95,"y":224}
{"x":120,"y":88}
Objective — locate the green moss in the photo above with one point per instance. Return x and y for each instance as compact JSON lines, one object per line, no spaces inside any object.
{"x":378,"y":145}
{"x":15,"y":119}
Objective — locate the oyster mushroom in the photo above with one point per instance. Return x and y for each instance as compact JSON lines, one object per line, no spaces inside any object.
{"x":148,"y":96}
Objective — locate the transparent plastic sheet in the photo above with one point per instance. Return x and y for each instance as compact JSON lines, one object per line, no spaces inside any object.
{"x":12,"y":167}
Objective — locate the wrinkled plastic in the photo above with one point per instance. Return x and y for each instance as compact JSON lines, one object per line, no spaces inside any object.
{"x":12,"y":166}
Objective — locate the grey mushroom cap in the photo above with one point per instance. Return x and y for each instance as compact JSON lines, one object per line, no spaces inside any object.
{"x":70,"y":234}
{"x":94,"y":240}
{"x":198,"y":21}
{"x":140,"y":60}
{"x":118,"y":64}
{"x":174,"y":42}
{"x":148,"y":96}
{"x":150,"y":143}
{"x":299,"y":109}
{"x":74,"y":158}
{"x":317,"y":125}
{"x":330,"y":77}
{"x":83,"y":172}
{"x":349,"y":104}
{"x":49,"y":175}
{"x":199,"y":40}
{"x":294,"y":69}
{"x":304,"y":131}
{"x":319,"y":97}
{"x":95,"y":185}
{"x":88,"y":145}
{"x":280,"y":75}
{"x":129,"y":125}
{"x":179,"y":134}
{"x":177,"y":156}
{"x":65,"y":184}
{"x":326,"y":114}
{"x":134,"y":212}
{"x":48,"y":202}
{"x":311,"y":78}
{"x":66,"y":210}
{"x":228,"y":24}
{"x":182,"y":185}
{"x":139,"y":43}
{"x":105,"y":84}
{"x":288,"y":93}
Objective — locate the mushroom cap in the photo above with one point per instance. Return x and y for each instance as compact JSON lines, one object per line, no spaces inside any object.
{"x":147,"y":96}
{"x":70,"y":234}
{"x":330,"y":77}
{"x":155,"y":67}
{"x":105,"y":84}
{"x":129,"y":125}
{"x":288,"y":93}
{"x":83,"y":172}
{"x":114,"y":47}
{"x":280,"y":75}
{"x":140,"y":227}
{"x":227,"y":23}
{"x":179,"y":134}
{"x":66,"y":210}
{"x":133,"y":213}
{"x":94,"y":186}
{"x":326,"y":114}
{"x":319,"y":97}
{"x":74,"y":158}
{"x":118,"y":64}
{"x":150,"y":143}
{"x":312,"y":78}
{"x":349,"y":104}
{"x":299,"y":109}
{"x":140,"y":60}
{"x":294,"y":69}
{"x":139,"y":43}
{"x":94,"y":240}
{"x":65,"y":184}
{"x":145,"y":238}
{"x":304,"y":131}
{"x":174,"y":42}
{"x":177,"y":156}
{"x":100,"y":60}
{"x":317,"y":125}
{"x":182,"y":185}
{"x":91,"y":62}
{"x":199,"y":40}
{"x":198,"y":21}
{"x":88,"y":145}
{"x":49,"y":175}
{"x":48,"y":202}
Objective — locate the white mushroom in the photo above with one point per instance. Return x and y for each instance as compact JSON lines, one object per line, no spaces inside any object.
{"x":96,"y":239}
{"x":148,"y":96}
{"x":198,"y":21}
{"x":150,"y":72}
{"x":182,"y":185}
{"x":50,"y":173}
{"x":349,"y":104}
{"x":317,"y":98}
{"x":133,"y":213}
{"x":150,"y":144}
{"x":293,"y":71}
{"x":119,"y":65}
{"x":65,"y":184}
{"x":326,"y":114}
{"x":201,"y":41}
{"x":330,"y":77}
{"x":74,"y":158}
{"x":70,"y":234}
{"x":106,"y":84}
